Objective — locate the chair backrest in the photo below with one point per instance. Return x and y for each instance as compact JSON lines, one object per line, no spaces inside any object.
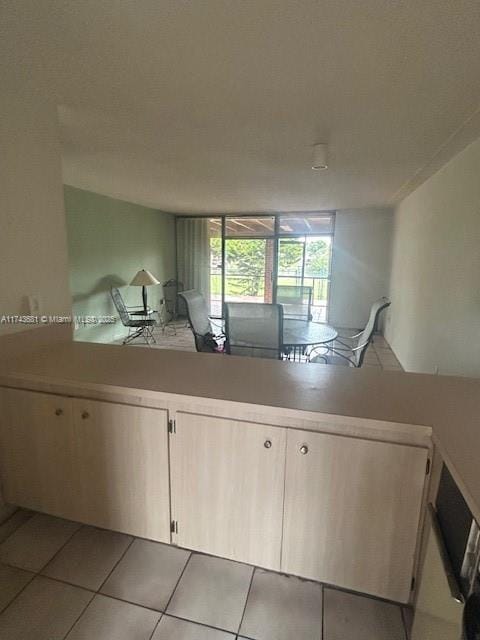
{"x":120,"y":306}
{"x":296,"y":301}
{"x":254,"y":329}
{"x":365,"y":337}
{"x":170,"y":295}
{"x":197,"y":314}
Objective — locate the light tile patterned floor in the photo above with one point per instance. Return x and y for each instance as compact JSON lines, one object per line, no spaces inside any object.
{"x":108,"y":586}
{"x":178,"y":336}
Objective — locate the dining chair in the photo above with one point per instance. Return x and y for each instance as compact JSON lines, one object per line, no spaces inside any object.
{"x":352,"y":349}
{"x":254,"y":329}
{"x":296,"y":301}
{"x":206,"y":340}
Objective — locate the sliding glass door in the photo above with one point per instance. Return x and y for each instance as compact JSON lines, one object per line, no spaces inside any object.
{"x":246,"y":258}
{"x":304,"y":257}
{"x":305,"y":261}
{"x":249,"y":259}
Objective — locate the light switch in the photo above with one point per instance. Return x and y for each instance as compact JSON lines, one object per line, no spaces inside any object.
{"x":33,"y":305}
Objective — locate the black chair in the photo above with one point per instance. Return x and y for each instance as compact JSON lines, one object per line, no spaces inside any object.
{"x":137,"y":326}
{"x":254,"y":329}
{"x":173,"y":310}
{"x":352,"y":349}
{"x":206,"y":340}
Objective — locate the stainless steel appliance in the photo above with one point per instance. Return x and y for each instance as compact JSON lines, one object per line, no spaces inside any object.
{"x":449,"y":576}
{"x":459,"y":531}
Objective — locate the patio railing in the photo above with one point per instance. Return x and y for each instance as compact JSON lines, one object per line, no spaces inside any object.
{"x":240,"y":288}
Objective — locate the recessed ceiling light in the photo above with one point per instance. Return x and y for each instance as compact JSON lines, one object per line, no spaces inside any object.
{"x":319,"y":162}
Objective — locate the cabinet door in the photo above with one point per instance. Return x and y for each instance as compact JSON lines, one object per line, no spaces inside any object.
{"x":122,"y":463}
{"x":37,"y":452}
{"x":352,"y":511}
{"x":227,"y":488}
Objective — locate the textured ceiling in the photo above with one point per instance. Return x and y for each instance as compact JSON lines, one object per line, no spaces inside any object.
{"x":214,"y":105}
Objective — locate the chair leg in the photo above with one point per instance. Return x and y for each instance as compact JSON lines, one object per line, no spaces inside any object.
{"x":131,"y":336}
{"x":147,"y":334}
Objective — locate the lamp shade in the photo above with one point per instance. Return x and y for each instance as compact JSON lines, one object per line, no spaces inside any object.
{"x":143,"y":279}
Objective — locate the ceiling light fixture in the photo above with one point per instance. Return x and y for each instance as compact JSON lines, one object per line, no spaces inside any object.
{"x":320,"y":162}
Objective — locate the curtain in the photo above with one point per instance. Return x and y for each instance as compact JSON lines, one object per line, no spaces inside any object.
{"x":193,"y":255}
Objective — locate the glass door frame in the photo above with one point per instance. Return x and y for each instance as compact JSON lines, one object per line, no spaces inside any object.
{"x":328,"y":278}
{"x":276,"y":237}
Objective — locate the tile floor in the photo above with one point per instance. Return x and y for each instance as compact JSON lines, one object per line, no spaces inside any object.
{"x":179,"y":337}
{"x":59,"y":580}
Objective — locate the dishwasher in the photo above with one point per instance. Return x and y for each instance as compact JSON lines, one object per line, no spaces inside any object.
{"x":448,"y":599}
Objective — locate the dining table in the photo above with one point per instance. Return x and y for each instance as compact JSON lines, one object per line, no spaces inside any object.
{"x":301,"y":336}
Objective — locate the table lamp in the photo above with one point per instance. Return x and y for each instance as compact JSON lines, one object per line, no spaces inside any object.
{"x":143,"y":279}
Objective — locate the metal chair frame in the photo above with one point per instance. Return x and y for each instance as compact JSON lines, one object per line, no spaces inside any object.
{"x":137,"y":328}
{"x":199,"y":337}
{"x":353,"y":359}
{"x":300,"y":316}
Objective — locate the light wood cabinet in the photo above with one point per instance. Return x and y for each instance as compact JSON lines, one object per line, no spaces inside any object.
{"x":227,"y":487}
{"x":122,"y":463}
{"x":339,"y":509}
{"x":95,"y":462}
{"x":37,"y":452}
{"x":352,"y":510}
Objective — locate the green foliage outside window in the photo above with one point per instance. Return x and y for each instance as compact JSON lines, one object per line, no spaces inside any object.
{"x":245,"y":265}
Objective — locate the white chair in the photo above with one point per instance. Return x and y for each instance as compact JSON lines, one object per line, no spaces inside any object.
{"x":254,"y":329}
{"x":296,"y":301}
{"x":198,"y":319}
{"x":352,"y":349}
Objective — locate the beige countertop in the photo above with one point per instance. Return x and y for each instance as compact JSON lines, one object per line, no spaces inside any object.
{"x":450,"y":405}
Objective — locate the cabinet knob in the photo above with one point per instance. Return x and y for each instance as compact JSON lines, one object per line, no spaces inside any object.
{"x":85,"y":415}
{"x":304,"y":449}
{"x":267,"y":444}
{"x":59,"y":412}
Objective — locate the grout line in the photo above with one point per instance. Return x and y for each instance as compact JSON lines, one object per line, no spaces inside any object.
{"x":161,"y":613}
{"x":155,"y":627}
{"x":200,"y":624}
{"x":79,"y":616}
{"x":70,"y":584}
{"x":246,"y":600}
{"x":35,"y":574}
{"x":116,"y":564}
{"x":178,"y":582}
{"x":21,"y":590}
{"x":109,"y":597}
{"x":80,"y":526}
{"x":20,"y":524}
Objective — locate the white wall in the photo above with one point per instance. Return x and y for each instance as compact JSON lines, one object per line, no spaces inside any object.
{"x":33,"y":245}
{"x":434,"y":320}
{"x":360,"y":264}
